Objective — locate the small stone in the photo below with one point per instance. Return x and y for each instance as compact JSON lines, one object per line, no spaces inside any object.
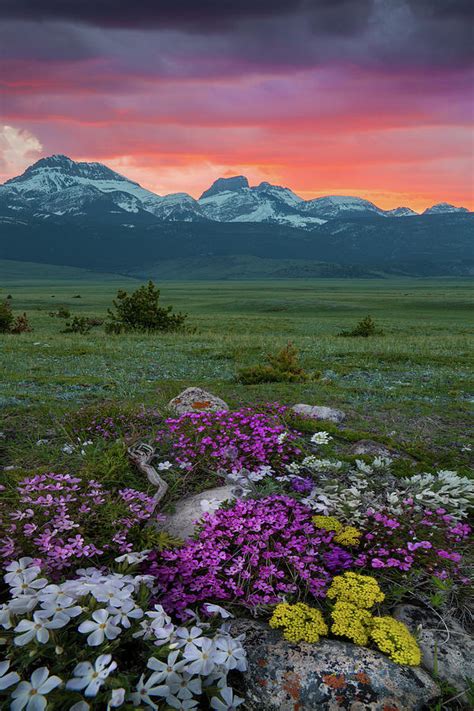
{"x":196,"y":400}
{"x":188,"y":511}
{"x":447,"y":652}
{"x":319,"y":412}
{"x":326,"y":676}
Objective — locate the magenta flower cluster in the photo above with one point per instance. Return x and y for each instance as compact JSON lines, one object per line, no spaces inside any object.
{"x":230,"y":440}
{"x":64,"y":521}
{"x":255,"y":553}
{"x":427,"y":541}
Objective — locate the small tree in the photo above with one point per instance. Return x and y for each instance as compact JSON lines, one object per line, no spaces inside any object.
{"x":365,"y":328}
{"x":280,"y":367}
{"x":140,"y":311}
{"x":21,"y":324}
{"x":6,"y":317}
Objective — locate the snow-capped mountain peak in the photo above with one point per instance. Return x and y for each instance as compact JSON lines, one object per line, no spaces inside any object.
{"x":443,"y":207}
{"x":221,"y":185}
{"x":401,"y":212}
{"x":52,"y":182}
{"x":332,"y":206}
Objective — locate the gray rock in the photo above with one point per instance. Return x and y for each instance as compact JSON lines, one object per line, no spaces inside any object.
{"x":373,"y":449}
{"x":196,"y":400}
{"x":319,"y":412}
{"x":451,"y":659}
{"x":329,"y":675}
{"x":182,"y":523}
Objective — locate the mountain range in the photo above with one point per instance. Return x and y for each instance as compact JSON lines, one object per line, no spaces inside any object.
{"x":76,"y":213}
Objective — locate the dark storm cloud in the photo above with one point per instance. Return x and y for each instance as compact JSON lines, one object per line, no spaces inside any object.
{"x":202,"y":15}
{"x":271,"y":34}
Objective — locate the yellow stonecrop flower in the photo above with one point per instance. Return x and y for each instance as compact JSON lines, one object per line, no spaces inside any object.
{"x":329,"y":523}
{"x":360,"y":590}
{"x":351,"y":621}
{"x":346,"y":535}
{"x":393,"y":638}
{"x":300,"y":622}
{"x":349,"y":536}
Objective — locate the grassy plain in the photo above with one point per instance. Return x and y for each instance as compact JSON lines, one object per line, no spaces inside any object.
{"x":411,"y":387}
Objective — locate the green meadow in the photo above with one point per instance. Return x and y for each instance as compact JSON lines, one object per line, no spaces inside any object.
{"x":411,"y":386}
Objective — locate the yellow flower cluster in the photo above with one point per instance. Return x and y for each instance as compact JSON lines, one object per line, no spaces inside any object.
{"x":349,"y":536}
{"x":300,"y":622}
{"x":351,"y":621}
{"x":355,"y":595}
{"x":360,"y":590}
{"x":329,"y":523}
{"x":346,"y":535}
{"x":393,"y":638}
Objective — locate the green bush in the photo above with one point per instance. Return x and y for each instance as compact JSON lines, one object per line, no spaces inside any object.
{"x":21,"y":324}
{"x":365,"y":328}
{"x":140,"y":311}
{"x":6,"y":317}
{"x":280,"y":367}
{"x":62,"y":312}
{"x":82,"y":325}
{"x":10,"y":324}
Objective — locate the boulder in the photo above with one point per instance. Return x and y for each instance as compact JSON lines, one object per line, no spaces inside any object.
{"x":319,"y":412}
{"x":196,"y":400}
{"x":447,"y":652}
{"x":182,"y":523}
{"x":329,"y":675}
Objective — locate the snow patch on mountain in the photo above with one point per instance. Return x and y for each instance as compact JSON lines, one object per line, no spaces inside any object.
{"x":400,"y":212}
{"x":443,"y":207}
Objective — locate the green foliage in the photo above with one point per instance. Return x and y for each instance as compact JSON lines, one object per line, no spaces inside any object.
{"x":62,"y":312}
{"x":6,"y":317}
{"x":10,"y":324}
{"x":82,"y":325}
{"x":281,"y":367}
{"x":365,"y":328}
{"x":150,"y":537}
{"x":21,"y":324}
{"x":140,"y":311}
{"x":108,"y":462}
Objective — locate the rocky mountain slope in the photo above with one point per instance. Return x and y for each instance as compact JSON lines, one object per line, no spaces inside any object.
{"x":58,"y":185}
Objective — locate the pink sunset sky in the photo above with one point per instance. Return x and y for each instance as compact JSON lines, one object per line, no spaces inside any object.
{"x":366,"y":97}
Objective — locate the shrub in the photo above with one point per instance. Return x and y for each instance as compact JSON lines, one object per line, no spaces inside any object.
{"x":364,"y":329}
{"x":82,"y":325}
{"x":65,"y":521}
{"x":108,"y":645}
{"x":21,"y":324}
{"x":10,"y":324}
{"x":6,"y":317}
{"x":229,"y":440}
{"x":281,"y":367}
{"x":140,"y":311}
{"x":62,"y":312}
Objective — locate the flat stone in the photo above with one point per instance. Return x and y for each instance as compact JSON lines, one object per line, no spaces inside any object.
{"x":319,"y":412}
{"x":196,"y":400}
{"x":329,"y":675}
{"x":448,"y":653}
{"x":188,"y":511}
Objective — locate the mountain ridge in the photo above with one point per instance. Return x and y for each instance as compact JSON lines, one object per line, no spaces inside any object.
{"x":228,"y":199}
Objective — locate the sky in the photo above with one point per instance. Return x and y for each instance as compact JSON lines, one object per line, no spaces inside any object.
{"x":351,"y":97}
